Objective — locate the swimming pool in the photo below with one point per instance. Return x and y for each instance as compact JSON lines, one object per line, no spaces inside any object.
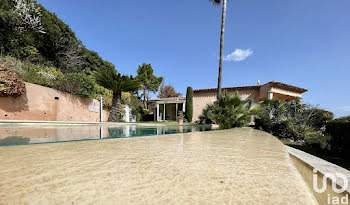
{"x":23,"y":134}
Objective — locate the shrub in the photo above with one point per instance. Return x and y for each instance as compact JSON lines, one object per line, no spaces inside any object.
{"x":204,"y":118}
{"x":339,"y":129}
{"x":77,"y":83}
{"x":189,"y":104}
{"x":294,"y":120}
{"x":180,"y":115}
{"x":230,"y":111}
{"x":318,"y":117}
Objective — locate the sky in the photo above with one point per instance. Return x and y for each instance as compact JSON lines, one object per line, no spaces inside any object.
{"x":300,"y":42}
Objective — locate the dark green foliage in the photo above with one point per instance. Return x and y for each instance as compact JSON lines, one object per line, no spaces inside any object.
{"x":293,"y":120}
{"x":77,"y":83}
{"x":319,"y":117}
{"x":149,"y":82}
{"x":189,"y":104}
{"x":339,"y":129}
{"x":229,"y":111}
{"x":204,"y":117}
{"x":137,"y":109}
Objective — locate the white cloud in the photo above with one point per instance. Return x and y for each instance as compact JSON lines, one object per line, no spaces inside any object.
{"x":239,"y":55}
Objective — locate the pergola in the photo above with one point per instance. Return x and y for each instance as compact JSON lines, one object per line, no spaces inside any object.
{"x":167,"y":108}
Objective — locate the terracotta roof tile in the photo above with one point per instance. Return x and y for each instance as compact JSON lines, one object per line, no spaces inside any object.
{"x":273,"y":83}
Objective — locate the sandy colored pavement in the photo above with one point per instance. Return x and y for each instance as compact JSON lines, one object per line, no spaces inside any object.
{"x":238,"y":166}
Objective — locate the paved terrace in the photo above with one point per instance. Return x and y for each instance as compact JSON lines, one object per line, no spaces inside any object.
{"x":238,"y":166}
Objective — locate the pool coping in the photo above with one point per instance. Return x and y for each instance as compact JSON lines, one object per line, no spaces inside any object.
{"x":321,"y":165}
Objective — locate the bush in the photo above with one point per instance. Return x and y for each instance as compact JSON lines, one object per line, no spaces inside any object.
{"x":229,"y":111}
{"x":318,"y":117}
{"x":339,"y":130}
{"x":204,"y":117}
{"x":189,"y":104}
{"x":294,"y":120}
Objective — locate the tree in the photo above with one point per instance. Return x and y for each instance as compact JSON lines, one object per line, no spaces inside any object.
{"x":223,"y":18}
{"x":168,"y":91}
{"x":189,"y":104}
{"x":29,"y":15}
{"x":149,"y":82}
{"x":117,"y":83}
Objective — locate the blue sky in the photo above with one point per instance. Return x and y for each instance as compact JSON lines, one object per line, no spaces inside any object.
{"x":301,"y":42}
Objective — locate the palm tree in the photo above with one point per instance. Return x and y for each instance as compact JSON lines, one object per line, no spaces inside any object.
{"x":117,"y":83}
{"x":223,"y":18}
{"x":230,"y":111}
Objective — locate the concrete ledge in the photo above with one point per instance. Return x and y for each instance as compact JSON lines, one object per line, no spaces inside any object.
{"x":321,"y":165}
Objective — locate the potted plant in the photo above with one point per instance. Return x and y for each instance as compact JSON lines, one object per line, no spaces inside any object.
{"x":180,"y":118}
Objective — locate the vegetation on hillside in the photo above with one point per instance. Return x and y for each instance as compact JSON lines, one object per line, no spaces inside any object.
{"x":44,"y":50}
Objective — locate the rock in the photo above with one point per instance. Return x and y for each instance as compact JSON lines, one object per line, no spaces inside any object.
{"x":10,"y":83}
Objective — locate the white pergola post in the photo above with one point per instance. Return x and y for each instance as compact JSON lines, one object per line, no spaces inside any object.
{"x":183,"y":107}
{"x":164,"y":112}
{"x":270,"y":95}
{"x":177,"y":107}
{"x":157,"y":118}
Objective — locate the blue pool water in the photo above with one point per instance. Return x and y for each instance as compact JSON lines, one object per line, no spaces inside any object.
{"x":23,"y":134}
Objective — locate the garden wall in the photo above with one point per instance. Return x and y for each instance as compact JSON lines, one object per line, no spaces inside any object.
{"x":42,"y":103}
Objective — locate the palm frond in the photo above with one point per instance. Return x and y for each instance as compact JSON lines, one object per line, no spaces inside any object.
{"x":216,"y":2}
{"x":112,"y":80}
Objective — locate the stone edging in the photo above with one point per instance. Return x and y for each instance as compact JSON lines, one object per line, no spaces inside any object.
{"x":321,"y":165}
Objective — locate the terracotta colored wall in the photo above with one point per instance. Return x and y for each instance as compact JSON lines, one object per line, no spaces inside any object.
{"x":201,"y":99}
{"x":39,"y":103}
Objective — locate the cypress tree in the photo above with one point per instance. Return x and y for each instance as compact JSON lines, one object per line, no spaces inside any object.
{"x":189,"y":104}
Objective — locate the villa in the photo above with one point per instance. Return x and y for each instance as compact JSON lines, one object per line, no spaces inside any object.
{"x":165,"y":109}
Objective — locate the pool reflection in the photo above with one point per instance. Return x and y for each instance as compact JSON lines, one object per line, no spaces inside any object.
{"x":21,"y":135}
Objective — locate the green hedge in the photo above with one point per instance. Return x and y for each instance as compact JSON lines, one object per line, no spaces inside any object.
{"x":189,"y":104}
{"x":339,"y":130}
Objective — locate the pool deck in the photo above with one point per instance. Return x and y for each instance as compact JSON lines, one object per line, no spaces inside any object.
{"x":237,"y":166}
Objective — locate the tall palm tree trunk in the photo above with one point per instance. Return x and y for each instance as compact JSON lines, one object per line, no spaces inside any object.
{"x":114,"y":115}
{"x":221,"y":47}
